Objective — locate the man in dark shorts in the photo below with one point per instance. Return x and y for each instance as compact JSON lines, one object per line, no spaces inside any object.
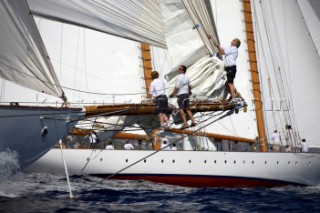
{"x":231,"y":55}
{"x":157,"y":89}
{"x":182,"y":89}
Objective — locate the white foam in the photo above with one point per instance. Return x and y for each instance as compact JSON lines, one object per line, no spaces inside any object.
{"x":9,"y":164}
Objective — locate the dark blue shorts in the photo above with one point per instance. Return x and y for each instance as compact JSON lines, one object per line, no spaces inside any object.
{"x":161,"y":103}
{"x":231,"y":73}
{"x":183,"y":101}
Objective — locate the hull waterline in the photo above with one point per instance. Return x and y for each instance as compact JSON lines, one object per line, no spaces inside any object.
{"x":188,"y":168}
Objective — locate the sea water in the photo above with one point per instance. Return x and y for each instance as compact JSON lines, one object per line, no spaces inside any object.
{"x":28,"y":192}
{"x":50,"y":193}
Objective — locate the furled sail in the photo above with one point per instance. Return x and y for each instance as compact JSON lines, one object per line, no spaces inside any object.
{"x":186,"y":26}
{"x":24,"y":59}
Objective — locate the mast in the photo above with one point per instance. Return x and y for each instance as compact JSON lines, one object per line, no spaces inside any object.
{"x":254,"y":74}
{"x":147,"y":66}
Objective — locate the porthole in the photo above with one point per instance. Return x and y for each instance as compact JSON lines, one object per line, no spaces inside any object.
{"x":162,"y":161}
{"x":277,"y":162}
{"x":244,"y":162}
{"x":265,"y":162}
{"x":189,"y":161}
{"x":173,"y":161}
{"x":234,"y":162}
{"x":205,"y":161}
{"x":101,"y":159}
{"x":296,"y":163}
{"x":252,"y":162}
{"x":309,"y":163}
{"x":127,"y":160}
{"x":215,"y":161}
{"x":145,"y":160}
{"x":289,"y":162}
{"x":225,"y":161}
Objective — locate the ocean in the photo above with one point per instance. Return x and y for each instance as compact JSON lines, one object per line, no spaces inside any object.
{"x":23,"y":192}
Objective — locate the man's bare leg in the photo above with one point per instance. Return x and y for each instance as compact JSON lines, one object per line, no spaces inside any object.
{"x":231,"y":88}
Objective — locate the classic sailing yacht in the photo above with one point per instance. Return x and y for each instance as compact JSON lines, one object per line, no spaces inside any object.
{"x":205,"y":168}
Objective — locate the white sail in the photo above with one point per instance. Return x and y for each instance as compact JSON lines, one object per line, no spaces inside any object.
{"x":287,"y":55}
{"x":24,"y":59}
{"x":310,"y":10}
{"x":179,"y":26}
{"x":242,"y":124}
{"x":136,"y":20}
{"x":92,"y":66}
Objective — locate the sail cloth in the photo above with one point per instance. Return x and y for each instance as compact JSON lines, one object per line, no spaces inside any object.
{"x":207,"y":78}
{"x":135,"y":20}
{"x":310,"y":10}
{"x":188,"y":44}
{"x":186,"y":26}
{"x":180,"y":26}
{"x":23,"y":57}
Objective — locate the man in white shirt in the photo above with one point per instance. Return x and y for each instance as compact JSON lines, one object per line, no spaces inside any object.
{"x":230,"y":66}
{"x":93,"y":138}
{"x":110,"y":146}
{"x":174,"y":147}
{"x":164,"y":142}
{"x":157,"y":89}
{"x":276,"y":141}
{"x":182,"y":90}
{"x":304,"y":145}
{"x":128,"y":146}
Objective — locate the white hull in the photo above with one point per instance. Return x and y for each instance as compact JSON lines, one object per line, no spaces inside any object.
{"x":21,"y":129}
{"x":188,"y":168}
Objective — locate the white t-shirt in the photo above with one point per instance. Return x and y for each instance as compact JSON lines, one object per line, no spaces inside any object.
{"x":182,"y":82}
{"x":128,"y":146}
{"x":157,"y":87}
{"x":110,"y":147}
{"x":304,"y":146}
{"x":93,"y":138}
{"x":174,"y":148}
{"x":231,"y":55}
{"x":276,"y":138}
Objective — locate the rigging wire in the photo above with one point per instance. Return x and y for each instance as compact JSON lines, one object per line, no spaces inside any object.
{"x":278,"y":62}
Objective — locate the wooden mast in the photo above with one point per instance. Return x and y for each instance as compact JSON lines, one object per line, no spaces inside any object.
{"x":254,"y":74}
{"x":147,"y":66}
